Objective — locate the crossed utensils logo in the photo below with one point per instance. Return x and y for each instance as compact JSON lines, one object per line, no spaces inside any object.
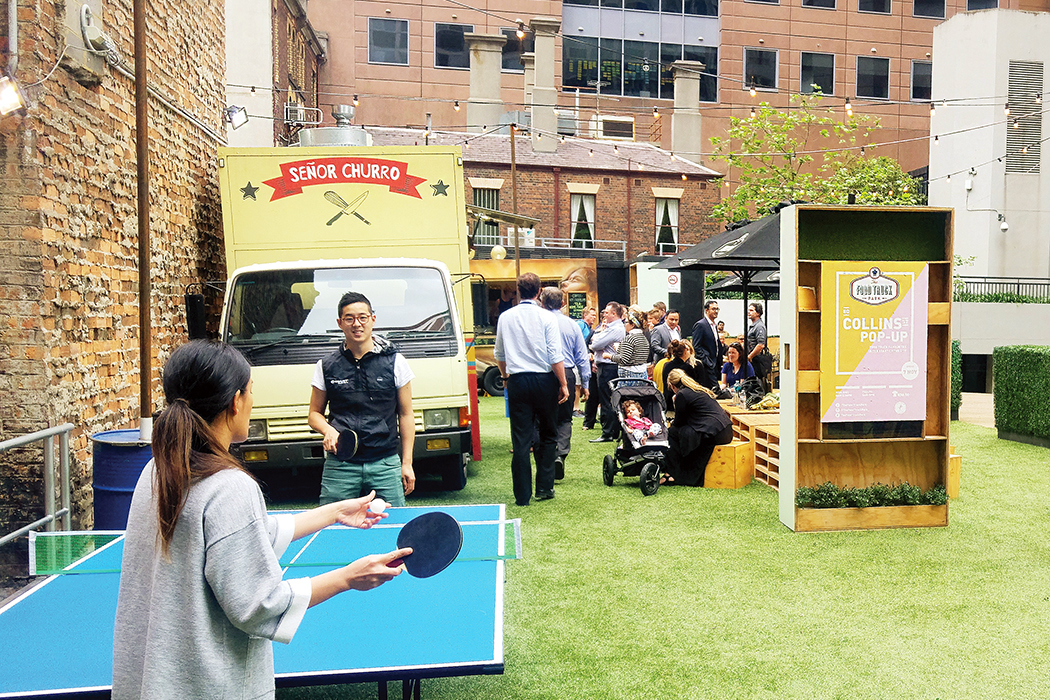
{"x":344,"y":208}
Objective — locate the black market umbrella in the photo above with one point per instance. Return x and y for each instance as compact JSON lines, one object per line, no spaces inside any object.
{"x":746,"y":250}
{"x":765,"y":283}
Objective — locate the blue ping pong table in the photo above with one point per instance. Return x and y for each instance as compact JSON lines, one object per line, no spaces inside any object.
{"x":57,"y":638}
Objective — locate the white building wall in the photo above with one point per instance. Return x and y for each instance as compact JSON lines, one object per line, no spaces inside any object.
{"x":971,"y":55}
{"x":249,"y":61}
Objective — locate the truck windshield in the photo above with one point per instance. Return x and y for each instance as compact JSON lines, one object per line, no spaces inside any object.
{"x":300,"y":305}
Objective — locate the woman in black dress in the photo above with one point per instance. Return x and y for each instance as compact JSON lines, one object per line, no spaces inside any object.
{"x":699,"y":425}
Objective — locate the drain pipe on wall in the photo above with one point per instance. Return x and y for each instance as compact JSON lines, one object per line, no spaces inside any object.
{"x":12,"y":37}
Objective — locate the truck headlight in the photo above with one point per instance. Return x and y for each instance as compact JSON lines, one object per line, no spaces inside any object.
{"x":256,"y":430}
{"x":439,"y":418}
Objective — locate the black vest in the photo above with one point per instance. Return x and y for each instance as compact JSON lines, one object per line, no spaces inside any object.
{"x":362,"y":396}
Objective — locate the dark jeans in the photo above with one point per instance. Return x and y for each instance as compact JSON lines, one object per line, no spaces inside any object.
{"x":610,"y":426}
{"x":563,"y":420}
{"x":532,"y":399}
{"x":590,"y":407}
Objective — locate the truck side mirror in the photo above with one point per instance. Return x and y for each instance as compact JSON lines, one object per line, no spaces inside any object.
{"x":196,"y":325}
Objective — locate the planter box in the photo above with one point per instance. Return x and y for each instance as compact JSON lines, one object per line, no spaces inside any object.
{"x":831,"y":519}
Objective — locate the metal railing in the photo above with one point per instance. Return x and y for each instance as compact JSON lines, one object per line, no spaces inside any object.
{"x":47,"y":435}
{"x":1035,"y":287}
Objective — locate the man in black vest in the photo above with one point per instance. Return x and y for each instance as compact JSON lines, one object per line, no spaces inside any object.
{"x":367,"y":387}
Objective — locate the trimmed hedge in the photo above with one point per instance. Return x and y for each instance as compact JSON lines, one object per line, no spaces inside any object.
{"x":956,"y":376}
{"x":1021,"y":376}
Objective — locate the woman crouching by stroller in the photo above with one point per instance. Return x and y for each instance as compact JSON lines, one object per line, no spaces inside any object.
{"x":699,"y":425}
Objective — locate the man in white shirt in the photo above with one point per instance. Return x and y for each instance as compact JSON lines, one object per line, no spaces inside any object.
{"x":529,"y":354}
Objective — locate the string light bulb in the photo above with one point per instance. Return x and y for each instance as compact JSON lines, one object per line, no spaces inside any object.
{"x":616,"y":149}
{"x":521,"y":30}
{"x":656,"y":112}
{"x":1017,"y":122}
{"x":936,"y":138}
{"x":684,"y":178}
{"x":1006,"y":109}
{"x":591,"y":154}
{"x":752,"y":112}
{"x":849,"y":107}
{"x":933,"y":109}
{"x":1039,"y":98}
{"x":674,"y":157}
{"x":455,"y":105}
{"x":862,"y":151}
{"x":948,"y":179}
{"x":356,"y":101}
{"x":1024,"y":150}
{"x":751,"y":91}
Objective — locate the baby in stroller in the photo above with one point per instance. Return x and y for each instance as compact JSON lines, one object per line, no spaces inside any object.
{"x":637,"y":425}
{"x":642,"y":451}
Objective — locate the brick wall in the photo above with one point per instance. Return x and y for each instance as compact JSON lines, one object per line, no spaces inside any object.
{"x":69,"y":335}
{"x":624,"y":208}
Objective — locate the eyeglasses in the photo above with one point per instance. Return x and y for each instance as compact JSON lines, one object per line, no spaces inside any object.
{"x":360,"y":319}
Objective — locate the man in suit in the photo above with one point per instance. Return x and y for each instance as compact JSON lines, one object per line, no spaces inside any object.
{"x":663,"y":334}
{"x":705,"y":343}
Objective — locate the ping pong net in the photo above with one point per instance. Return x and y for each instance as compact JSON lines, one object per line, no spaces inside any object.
{"x":81,"y":552}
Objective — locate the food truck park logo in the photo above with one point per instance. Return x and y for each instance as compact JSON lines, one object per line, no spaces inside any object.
{"x":298,"y":174}
{"x":874,"y":288}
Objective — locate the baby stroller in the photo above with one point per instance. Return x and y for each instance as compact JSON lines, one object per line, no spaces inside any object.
{"x":632,"y":457}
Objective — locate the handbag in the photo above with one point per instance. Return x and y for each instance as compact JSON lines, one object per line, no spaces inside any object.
{"x":752,"y":391}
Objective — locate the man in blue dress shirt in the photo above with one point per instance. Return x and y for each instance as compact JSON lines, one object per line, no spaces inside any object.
{"x":551,"y":298}
{"x":530,"y":357}
{"x":604,"y":340}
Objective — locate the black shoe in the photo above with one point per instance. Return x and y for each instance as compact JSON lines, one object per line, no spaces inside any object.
{"x":544,"y":495}
{"x":559,"y":469}
{"x":602,"y":439}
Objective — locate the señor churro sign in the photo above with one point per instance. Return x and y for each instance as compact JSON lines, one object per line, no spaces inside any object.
{"x":873,"y":341}
{"x":296,"y":175}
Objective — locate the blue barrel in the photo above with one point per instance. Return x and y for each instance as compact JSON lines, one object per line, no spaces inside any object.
{"x":118,"y":459}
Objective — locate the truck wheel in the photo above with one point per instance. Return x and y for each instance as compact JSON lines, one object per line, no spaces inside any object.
{"x":454,"y":474}
{"x":492,"y":382}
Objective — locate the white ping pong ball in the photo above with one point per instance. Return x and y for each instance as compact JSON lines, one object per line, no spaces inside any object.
{"x":377,"y":506}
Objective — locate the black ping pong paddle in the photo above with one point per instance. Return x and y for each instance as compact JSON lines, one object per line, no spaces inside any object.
{"x":435,"y":539}
{"x":346,"y":447}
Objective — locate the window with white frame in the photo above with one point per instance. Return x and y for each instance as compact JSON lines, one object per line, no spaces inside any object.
{"x":581,"y":231}
{"x":928,"y":8}
{"x":921,"y":80}
{"x":873,"y":77}
{"x":881,"y":7}
{"x":388,"y":41}
{"x":824,"y":4}
{"x":666,"y":226}
{"x":514,"y":48}
{"x":486,"y":232}
{"x":450,"y":48}
{"x":818,"y":73}
{"x":760,"y":69}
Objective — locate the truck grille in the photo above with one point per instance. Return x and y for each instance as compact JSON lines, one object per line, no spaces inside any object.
{"x":290,"y":429}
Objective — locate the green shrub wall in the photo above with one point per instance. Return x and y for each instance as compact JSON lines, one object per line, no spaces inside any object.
{"x":1021,"y":374}
{"x":956,"y":400}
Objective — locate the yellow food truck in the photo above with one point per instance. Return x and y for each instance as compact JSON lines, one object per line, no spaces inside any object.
{"x":304,"y":225}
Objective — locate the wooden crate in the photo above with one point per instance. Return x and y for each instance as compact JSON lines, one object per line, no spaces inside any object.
{"x":767,"y":455}
{"x":729,"y":466}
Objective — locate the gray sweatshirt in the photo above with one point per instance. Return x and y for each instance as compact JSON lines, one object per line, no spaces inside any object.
{"x":199,"y":624}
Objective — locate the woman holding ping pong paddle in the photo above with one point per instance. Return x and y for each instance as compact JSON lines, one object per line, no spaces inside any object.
{"x":201,"y":593}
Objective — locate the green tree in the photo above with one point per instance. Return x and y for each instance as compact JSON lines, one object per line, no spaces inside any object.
{"x":809,"y":153}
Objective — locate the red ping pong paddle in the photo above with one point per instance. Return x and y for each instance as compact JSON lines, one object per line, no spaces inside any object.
{"x":435,"y":539}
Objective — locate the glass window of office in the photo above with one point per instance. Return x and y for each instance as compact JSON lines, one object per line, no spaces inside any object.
{"x":592,"y":3}
{"x":818,"y":73}
{"x":823,"y":4}
{"x":768,"y":2}
{"x":612,"y":3}
{"x":760,"y":69}
{"x":388,"y":41}
{"x":928,"y":8}
{"x":972,"y":5}
{"x":882,"y":7}
{"x":450,"y":48}
{"x":514,"y":48}
{"x":643,"y":5}
{"x":701,"y":8}
{"x":641,"y":69}
{"x":873,"y":77}
{"x":669,"y":53}
{"x":922,"y":80}
{"x":610,"y":66}
{"x":579,"y":62}
{"x":708,"y":55}
{"x":671,"y":7}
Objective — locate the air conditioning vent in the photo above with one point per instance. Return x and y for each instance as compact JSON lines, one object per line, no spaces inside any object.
{"x":295,"y":113}
{"x":1024,"y":135}
{"x":566,"y":122}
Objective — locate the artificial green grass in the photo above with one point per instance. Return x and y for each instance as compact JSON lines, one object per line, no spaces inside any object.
{"x":694,"y":593}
